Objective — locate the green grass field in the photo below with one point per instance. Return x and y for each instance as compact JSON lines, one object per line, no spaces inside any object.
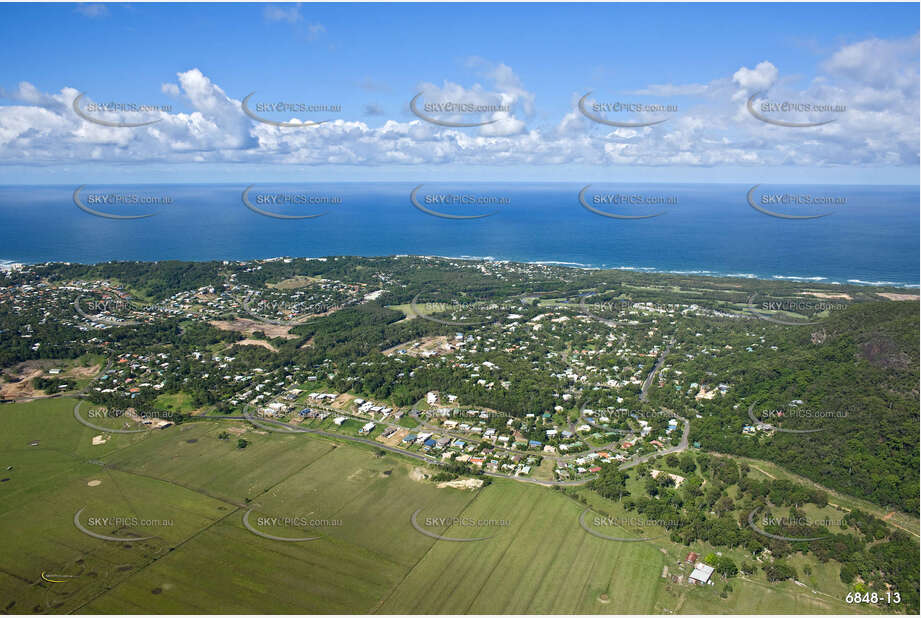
{"x":201,"y":559}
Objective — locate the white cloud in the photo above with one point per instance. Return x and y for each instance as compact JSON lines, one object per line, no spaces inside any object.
{"x":879,"y":63}
{"x":290,"y":13}
{"x":92,"y":10}
{"x":761,"y":77}
{"x":880,"y":126}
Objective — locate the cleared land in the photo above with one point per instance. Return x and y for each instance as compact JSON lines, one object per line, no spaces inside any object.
{"x":371,"y":560}
{"x":248,"y":327}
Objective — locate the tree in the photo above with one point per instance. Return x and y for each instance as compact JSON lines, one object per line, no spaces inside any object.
{"x":611,"y":483}
{"x":779,"y":571}
{"x":241,"y":443}
{"x":686,"y":463}
{"x":723,"y":505}
{"x":726,"y":567}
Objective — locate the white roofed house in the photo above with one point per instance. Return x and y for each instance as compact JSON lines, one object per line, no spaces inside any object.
{"x":701,"y":574}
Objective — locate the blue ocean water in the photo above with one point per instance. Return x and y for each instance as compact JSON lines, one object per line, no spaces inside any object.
{"x":872,"y":237}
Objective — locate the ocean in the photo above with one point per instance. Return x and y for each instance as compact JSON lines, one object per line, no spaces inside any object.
{"x":871,"y":236}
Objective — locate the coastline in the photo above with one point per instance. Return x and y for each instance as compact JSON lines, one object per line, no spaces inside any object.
{"x":7,"y":264}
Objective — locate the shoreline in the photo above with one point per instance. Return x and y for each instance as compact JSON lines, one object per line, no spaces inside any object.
{"x":7,"y":264}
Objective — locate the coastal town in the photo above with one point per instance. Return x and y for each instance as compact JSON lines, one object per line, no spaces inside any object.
{"x":592,"y":363}
{"x":633,"y":396}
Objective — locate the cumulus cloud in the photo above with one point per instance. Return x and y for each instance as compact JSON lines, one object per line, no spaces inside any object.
{"x":504,"y":98}
{"x":879,"y":127}
{"x":879,"y":63}
{"x":761,"y":77}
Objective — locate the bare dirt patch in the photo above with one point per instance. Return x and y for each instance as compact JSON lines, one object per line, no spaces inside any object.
{"x":301,"y":281}
{"x":259,"y":342}
{"x":461,"y":484}
{"x":342,"y":401}
{"x":892,"y":296}
{"x":248,"y":327}
{"x":94,"y":483}
{"x":677,"y":479}
{"x":393,"y":439}
{"x":82,"y":372}
{"x":426,"y":346}
{"x":828,"y":295}
{"x":417,"y":474}
{"x":21,"y":387}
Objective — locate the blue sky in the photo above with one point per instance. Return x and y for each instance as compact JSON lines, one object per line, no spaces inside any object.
{"x":371,"y":59}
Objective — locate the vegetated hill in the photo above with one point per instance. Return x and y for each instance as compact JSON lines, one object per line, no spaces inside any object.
{"x":860,"y":366}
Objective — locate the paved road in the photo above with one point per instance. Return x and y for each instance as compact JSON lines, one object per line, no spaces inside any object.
{"x":648,"y":381}
{"x":682,"y":446}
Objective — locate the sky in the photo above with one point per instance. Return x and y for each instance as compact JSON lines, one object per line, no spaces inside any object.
{"x":529,"y":64}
